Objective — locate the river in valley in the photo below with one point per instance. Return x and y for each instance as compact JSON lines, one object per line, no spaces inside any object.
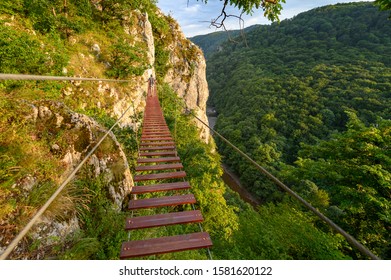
{"x":229,"y":177}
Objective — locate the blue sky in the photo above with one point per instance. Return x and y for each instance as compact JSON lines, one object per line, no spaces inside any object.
{"x":193,"y":16}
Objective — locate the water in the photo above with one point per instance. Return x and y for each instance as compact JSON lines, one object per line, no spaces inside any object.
{"x":229,"y":177}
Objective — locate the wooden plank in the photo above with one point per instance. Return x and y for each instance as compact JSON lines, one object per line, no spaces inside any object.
{"x":162,"y":201}
{"x":156,"y":138}
{"x":160,"y":176}
{"x":156,"y":133}
{"x":159,"y":167}
{"x":155,"y":130}
{"x":176,"y":186}
{"x":169,"y":244}
{"x":169,"y":219}
{"x":160,"y":127}
{"x":157,"y":160}
{"x":154,"y":154}
{"x":157,"y":148}
{"x":148,"y":144}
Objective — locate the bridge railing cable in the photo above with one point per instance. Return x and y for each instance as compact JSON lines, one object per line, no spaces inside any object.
{"x":23,"y":77}
{"x":354,"y":242}
{"x":41,"y":211}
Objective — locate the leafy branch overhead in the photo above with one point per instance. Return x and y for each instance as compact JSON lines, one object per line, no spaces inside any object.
{"x":272,"y":9}
{"x":384,"y":4}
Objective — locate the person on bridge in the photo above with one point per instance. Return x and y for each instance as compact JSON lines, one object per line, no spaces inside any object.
{"x":151,"y":81}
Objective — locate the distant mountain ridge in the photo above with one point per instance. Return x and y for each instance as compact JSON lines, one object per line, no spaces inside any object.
{"x":210,"y":43}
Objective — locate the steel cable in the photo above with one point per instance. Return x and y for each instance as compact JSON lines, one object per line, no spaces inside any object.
{"x":23,"y":77}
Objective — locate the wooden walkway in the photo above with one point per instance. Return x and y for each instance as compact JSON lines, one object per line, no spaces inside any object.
{"x":158,"y":161}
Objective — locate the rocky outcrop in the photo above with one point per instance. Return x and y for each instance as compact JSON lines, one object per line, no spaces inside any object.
{"x":187,"y":76}
{"x":80,"y":134}
{"x":190,"y":84}
{"x":72,"y":136}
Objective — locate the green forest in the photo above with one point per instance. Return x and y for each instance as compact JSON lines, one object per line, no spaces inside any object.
{"x":309,"y":99}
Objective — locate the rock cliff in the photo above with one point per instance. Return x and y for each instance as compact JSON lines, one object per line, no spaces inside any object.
{"x":187,"y":76}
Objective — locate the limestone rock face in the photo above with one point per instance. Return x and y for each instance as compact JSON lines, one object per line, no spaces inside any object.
{"x":188,"y":76}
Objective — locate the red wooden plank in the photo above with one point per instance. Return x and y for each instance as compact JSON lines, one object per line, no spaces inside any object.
{"x":145,"y":144}
{"x":157,"y":148}
{"x":155,"y":135}
{"x":160,"y":176}
{"x":154,"y":154}
{"x":159,"y":167}
{"x":169,"y":219}
{"x":156,"y":132}
{"x":156,"y":160}
{"x":158,"y":127}
{"x":162,"y":201}
{"x":140,"y":248}
{"x":160,"y":187}
{"x":156,"y":138}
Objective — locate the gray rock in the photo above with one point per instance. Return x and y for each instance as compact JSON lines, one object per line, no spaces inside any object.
{"x":95,"y":48}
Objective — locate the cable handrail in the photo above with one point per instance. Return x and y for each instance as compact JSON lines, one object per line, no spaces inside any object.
{"x":26,"y":77}
{"x":354,"y":242}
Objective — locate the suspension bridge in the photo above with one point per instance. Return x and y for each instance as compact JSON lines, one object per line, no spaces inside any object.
{"x":158,"y":161}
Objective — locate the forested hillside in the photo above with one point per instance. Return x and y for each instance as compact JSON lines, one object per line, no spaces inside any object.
{"x":309,"y":99}
{"x":212,"y":42}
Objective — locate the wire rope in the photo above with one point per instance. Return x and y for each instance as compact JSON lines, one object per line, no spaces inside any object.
{"x":24,"y":77}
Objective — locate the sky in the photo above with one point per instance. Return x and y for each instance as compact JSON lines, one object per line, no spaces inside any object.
{"x":194,"y":16}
